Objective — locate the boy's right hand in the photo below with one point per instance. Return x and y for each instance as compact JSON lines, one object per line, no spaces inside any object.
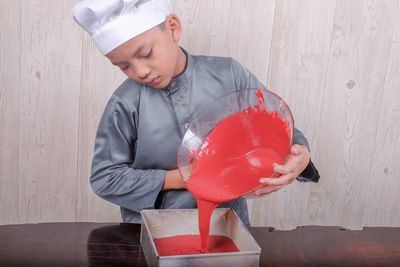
{"x":173,"y":180}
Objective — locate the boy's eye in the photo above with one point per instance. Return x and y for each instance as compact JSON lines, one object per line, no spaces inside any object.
{"x":148,"y":55}
{"x":124,"y":67}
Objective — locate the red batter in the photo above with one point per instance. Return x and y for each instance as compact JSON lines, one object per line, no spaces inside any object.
{"x":235,"y":155}
{"x":190,"y":244}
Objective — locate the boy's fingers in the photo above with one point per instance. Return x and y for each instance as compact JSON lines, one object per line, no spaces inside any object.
{"x":280,"y":168}
{"x":280,"y":181}
{"x":266,"y":190}
{"x":291,"y":164}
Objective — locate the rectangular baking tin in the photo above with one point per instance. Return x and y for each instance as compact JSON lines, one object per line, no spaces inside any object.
{"x":224,"y":221}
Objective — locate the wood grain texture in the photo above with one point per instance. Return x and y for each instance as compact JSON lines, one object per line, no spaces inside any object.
{"x":381,"y":206}
{"x":48,"y":112}
{"x":9,"y":109}
{"x":359,"y":55}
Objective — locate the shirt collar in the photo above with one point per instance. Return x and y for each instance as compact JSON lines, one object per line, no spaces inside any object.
{"x":180,"y":82}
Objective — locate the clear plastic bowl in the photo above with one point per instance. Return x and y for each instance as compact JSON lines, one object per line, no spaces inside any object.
{"x":208,"y":117}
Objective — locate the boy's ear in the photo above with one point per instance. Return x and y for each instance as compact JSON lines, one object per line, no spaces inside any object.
{"x":174,"y":26}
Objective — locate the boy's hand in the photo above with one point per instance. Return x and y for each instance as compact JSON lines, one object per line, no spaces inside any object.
{"x":295,"y":164}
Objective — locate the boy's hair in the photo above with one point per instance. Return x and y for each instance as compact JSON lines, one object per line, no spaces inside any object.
{"x":162,"y":26}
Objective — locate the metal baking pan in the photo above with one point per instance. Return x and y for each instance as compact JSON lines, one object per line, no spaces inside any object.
{"x":224,"y":221}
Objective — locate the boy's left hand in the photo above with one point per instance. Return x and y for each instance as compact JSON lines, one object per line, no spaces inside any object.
{"x":295,"y":164}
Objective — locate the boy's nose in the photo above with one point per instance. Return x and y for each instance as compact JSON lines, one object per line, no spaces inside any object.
{"x":142,"y":71}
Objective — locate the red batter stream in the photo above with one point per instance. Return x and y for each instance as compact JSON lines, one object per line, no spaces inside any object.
{"x":236,"y":154}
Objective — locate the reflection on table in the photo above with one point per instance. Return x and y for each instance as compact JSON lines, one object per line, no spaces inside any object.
{"x":113,"y":244}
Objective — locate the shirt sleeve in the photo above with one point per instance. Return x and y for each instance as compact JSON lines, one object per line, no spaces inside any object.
{"x":112,"y":176}
{"x":245,"y":79}
{"x":310,"y":173}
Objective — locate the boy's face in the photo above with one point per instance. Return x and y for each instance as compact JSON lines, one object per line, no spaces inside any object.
{"x":153,"y":57}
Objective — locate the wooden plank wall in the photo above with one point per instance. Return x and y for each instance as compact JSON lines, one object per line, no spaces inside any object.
{"x":335,"y":62}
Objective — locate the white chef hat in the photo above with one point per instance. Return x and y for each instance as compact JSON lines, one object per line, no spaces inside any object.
{"x":113,"y":22}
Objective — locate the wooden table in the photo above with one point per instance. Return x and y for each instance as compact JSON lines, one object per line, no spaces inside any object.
{"x":113,"y":244}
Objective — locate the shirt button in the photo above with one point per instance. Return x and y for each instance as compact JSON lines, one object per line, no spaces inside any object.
{"x":178,"y":98}
{"x":186,"y":126}
{"x":173,"y":84}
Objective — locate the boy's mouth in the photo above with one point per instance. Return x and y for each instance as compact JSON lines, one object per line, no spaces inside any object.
{"x":152,"y":81}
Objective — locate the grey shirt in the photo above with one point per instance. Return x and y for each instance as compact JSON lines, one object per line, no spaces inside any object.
{"x":142,"y":127}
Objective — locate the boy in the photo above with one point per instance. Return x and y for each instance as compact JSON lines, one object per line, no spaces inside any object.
{"x":135,"y":157}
